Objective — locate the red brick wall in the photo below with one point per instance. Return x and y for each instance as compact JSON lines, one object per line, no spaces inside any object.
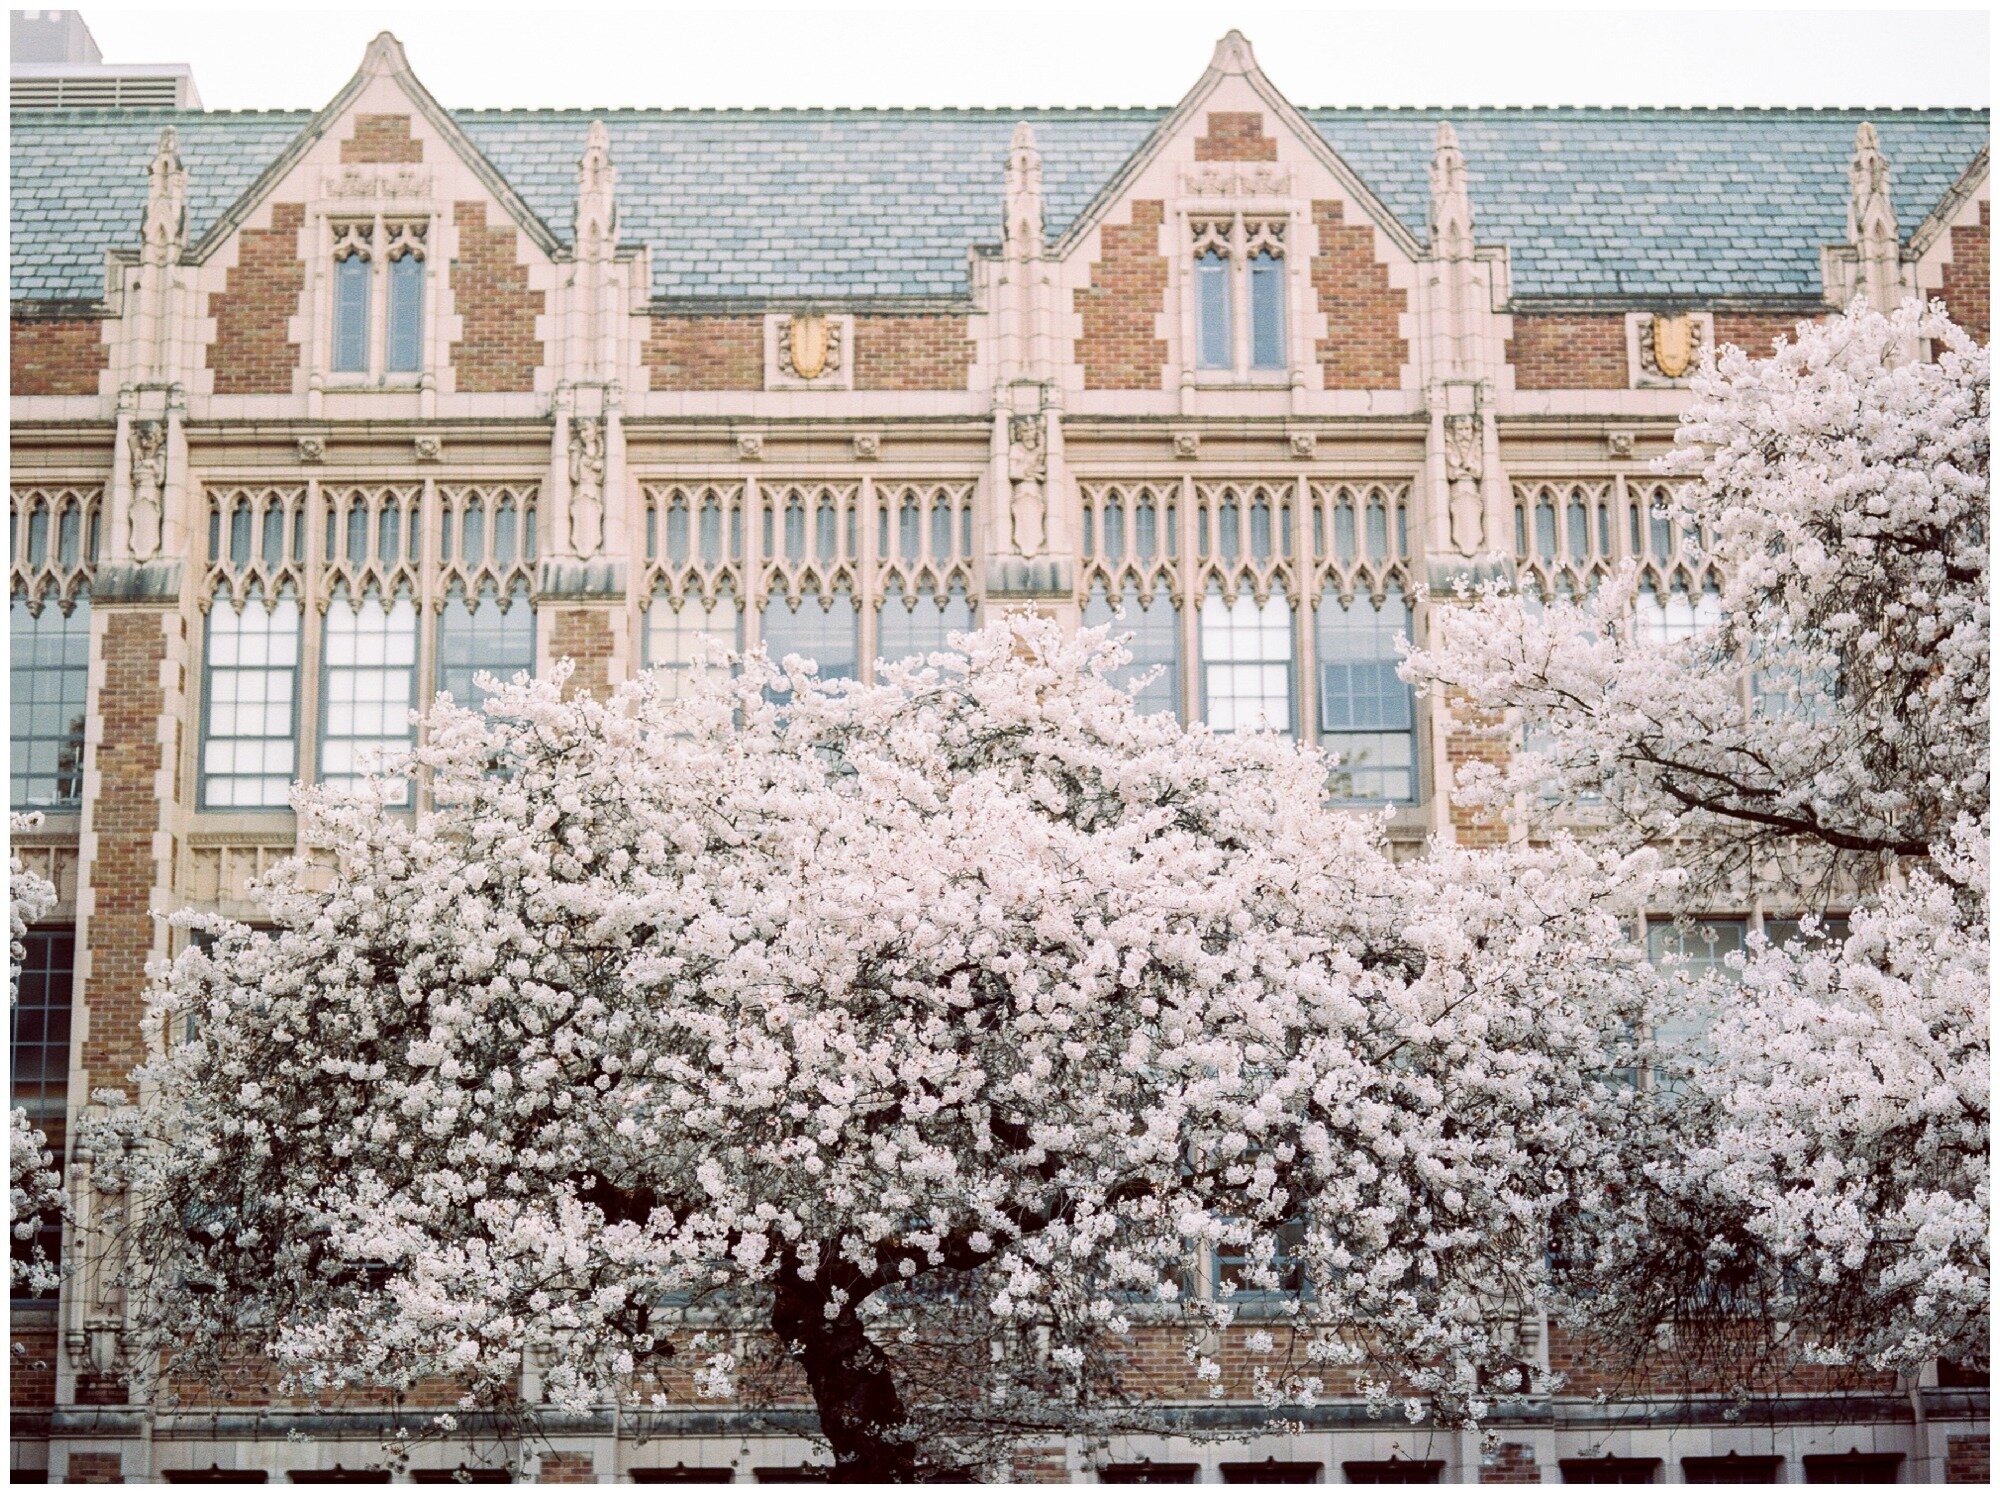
{"x":1235,"y":136}
{"x":1968,"y":1460}
{"x":706,"y":352}
{"x":1569,"y":352}
{"x":1509,"y":1463}
{"x":381,"y":139}
{"x":498,"y":352}
{"x":124,"y":817}
{"x":52,"y":356}
{"x":583,"y":634}
{"x":31,"y":1381}
{"x":907,"y":352}
{"x":253,"y":352}
{"x":1753,"y":331}
{"x":1474,"y":737}
{"x":95,"y":1468}
{"x":1967,"y":290}
{"x":1121,"y":305}
{"x":568,"y":1468}
{"x":1040,"y":1465}
{"x":1363,"y":347}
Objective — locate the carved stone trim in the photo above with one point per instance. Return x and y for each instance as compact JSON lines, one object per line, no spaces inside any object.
{"x":808,"y":350}
{"x":1650,"y":353}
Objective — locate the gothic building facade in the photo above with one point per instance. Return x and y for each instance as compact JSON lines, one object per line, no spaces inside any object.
{"x":314,"y":415}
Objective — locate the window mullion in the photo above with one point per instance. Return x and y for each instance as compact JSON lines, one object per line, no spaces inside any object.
{"x":312,"y":615}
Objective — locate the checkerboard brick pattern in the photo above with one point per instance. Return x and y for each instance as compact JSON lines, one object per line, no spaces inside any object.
{"x":1364,"y":347}
{"x":253,"y":352}
{"x":1120,"y":308}
{"x":499,"y":351}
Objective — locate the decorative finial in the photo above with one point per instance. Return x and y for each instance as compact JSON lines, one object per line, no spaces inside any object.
{"x":1871,"y":221}
{"x":596,"y":189}
{"x":163,"y":230}
{"x":1451,"y":203}
{"x":1233,"y":55}
{"x":1024,"y":190}
{"x":384,"y":55}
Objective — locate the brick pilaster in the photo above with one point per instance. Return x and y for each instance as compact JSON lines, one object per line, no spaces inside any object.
{"x":583,"y":634}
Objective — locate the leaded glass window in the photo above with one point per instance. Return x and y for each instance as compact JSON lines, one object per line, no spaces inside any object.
{"x":483,"y":639}
{"x":406,"y":313}
{"x":919,"y":625}
{"x":1214,"y":336}
{"x":1155,"y":643}
{"x":49,"y":676}
{"x":351,"y":277}
{"x":828,"y":633}
{"x":1367,"y":716}
{"x":680,"y":640}
{"x":1267,"y":311}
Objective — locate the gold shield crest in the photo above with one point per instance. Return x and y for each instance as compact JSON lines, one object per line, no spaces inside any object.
{"x":1673,"y":344}
{"x":810,"y":342}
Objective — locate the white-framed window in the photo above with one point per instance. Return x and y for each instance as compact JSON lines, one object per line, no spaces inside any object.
{"x":377,"y":320}
{"x":487,"y":634}
{"x":249,"y":747}
{"x":1238,"y":276}
{"x":368,"y":686}
{"x":1246,"y":662}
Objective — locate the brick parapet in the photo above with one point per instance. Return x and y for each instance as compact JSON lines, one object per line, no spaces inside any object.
{"x":705,"y":353}
{"x":1571,"y":351}
{"x":911,"y":352}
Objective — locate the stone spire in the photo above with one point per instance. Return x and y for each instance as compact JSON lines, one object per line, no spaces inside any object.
{"x":596,"y":196}
{"x":1024,"y":194}
{"x":163,"y":231}
{"x":1871,"y":222}
{"x":1451,"y":205}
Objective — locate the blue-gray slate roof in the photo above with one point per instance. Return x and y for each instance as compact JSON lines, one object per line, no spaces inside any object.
{"x":854,"y":202}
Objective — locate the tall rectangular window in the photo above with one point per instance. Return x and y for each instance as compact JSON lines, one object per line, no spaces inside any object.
{"x":406,"y":314}
{"x":40,"y":1063}
{"x":367,"y":688}
{"x":1267,"y":311}
{"x":1694,"y":953}
{"x":1155,"y":644}
{"x":249,"y":754}
{"x":680,"y":639}
{"x":350,"y":313}
{"x":1213,"y":334}
{"x":1246,"y":660}
{"x":50,"y":674}
{"x":486,"y":639}
{"x":1367,"y":716}
{"x":41,"y":1022}
{"x":828,"y":635}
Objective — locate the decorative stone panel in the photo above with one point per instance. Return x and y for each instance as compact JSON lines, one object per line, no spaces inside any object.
{"x":1581,"y":351}
{"x":1120,"y":347}
{"x":498,"y":351}
{"x":1663,"y":348}
{"x":1235,"y":136}
{"x":705,"y":353}
{"x":1364,"y":347}
{"x":56,"y":355}
{"x":382,"y":140}
{"x":253,"y":352}
{"x":808,"y":350}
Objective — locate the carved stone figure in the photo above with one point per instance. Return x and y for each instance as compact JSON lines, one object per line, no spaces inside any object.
{"x":586,"y":484}
{"x":1464,"y":465}
{"x":149,"y":476}
{"x":1027,"y":470}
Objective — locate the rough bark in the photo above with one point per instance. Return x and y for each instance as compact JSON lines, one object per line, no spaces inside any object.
{"x":860,"y":1409}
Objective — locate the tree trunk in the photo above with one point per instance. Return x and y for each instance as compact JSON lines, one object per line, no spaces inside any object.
{"x":860,"y":1410}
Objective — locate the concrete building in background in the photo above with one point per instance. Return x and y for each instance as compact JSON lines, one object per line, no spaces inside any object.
{"x":318,"y":413}
{"x":54,"y":63}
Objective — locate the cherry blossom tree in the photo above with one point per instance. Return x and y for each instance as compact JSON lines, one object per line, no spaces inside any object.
{"x":1818,"y":1163}
{"x":34,"y":1188}
{"x":932,"y":1028}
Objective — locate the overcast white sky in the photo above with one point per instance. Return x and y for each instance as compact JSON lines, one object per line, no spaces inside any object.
{"x":1074,"y":52}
